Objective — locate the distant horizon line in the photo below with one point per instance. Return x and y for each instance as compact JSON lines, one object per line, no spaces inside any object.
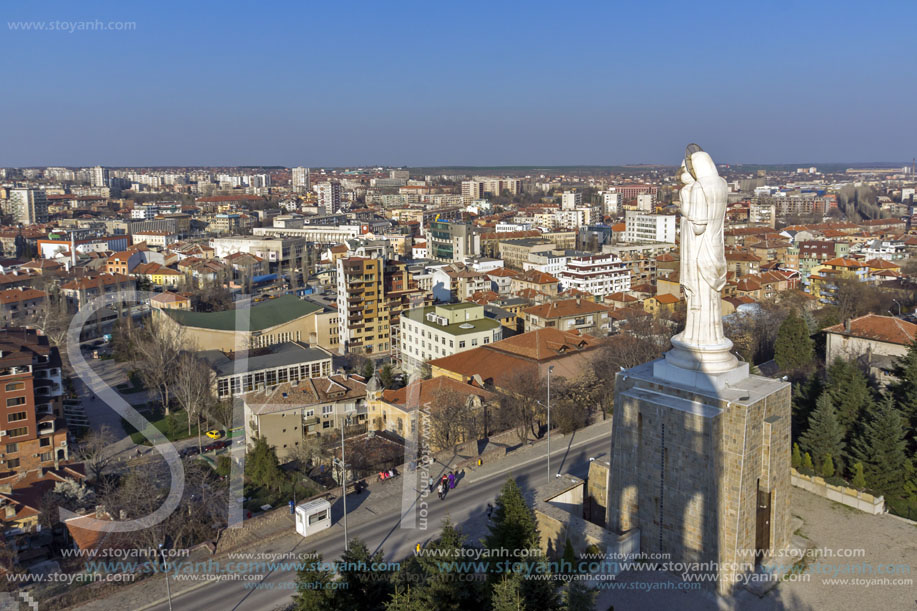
{"x":851,"y":164}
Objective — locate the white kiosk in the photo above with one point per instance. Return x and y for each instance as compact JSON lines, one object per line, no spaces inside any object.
{"x":313,"y":517}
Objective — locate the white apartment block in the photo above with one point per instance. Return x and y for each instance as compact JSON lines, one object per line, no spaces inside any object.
{"x":550,"y":262}
{"x":642,"y":227}
{"x":571,"y":199}
{"x":433,"y":332}
{"x":599,"y":275}
{"x":645,"y":202}
{"x":611,"y":202}
{"x":320,"y":234}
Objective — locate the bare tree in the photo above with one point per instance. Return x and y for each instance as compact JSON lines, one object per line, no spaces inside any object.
{"x":519,"y":407}
{"x":53,"y":318}
{"x":449,"y":415}
{"x":192,"y":388}
{"x":95,"y":451}
{"x":157,"y":355}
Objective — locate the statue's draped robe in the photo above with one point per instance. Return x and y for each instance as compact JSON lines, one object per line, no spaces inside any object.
{"x":703,"y":260}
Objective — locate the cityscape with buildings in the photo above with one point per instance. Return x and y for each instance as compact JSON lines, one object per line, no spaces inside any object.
{"x":671,"y":377}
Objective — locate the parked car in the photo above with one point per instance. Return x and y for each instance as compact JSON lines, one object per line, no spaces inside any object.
{"x":214,"y":433}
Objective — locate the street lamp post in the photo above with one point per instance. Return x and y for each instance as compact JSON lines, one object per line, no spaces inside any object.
{"x":897,"y":303}
{"x":165,"y":567}
{"x":550,"y":369}
{"x":344,"y":484}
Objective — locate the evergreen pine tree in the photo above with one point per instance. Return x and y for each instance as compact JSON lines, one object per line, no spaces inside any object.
{"x":793,"y":348}
{"x":262,"y":466}
{"x":569,"y":558}
{"x":824,"y":436}
{"x":827,"y":467}
{"x":514,"y":528}
{"x":882,"y":450}
{"x":365,"y":590}
{"x":807,"y":462}
{"x":797,"y":456}
{"x":849,"y":391}
{"x":805,"y":395}
{"x":436,"y":582}
{"x":311,"y":593}
{"x":859,"y":479}
{"x":577,"y":596}
{"x":507,"y":594}
{"x":406,"y":599}
{"x":904,"y":389}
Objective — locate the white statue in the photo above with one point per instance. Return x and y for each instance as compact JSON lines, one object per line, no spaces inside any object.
{"x":702,"y":347}
{"x":703,"y":257}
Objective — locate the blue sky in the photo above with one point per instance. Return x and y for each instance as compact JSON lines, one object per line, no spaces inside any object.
{"x":462,"y":83}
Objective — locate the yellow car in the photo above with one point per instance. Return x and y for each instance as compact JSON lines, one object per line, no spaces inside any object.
{"x":214,"y":434}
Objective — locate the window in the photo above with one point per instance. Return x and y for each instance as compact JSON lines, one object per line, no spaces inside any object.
{"x":318,"y":517}
{"x":15,"y":401}
{"x":326,"y":424}
{"x":12,"y":463}
{"x":327,"y":409}
{"x":12,"y":448}
{"x":486,"y":340}
{"x":15,"y":386}
{"x":44,"y":442}
{"x":310,"y":413}
{"x":45,"y":456}
{"x":451,"y":344}
{"x":462,"y":344}
{"x":20,"y":432}
{"x":474,"y":341}
{"x":16,"y":417}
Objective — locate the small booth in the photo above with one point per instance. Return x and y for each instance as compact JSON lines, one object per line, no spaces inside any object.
{"x":313,"y":517}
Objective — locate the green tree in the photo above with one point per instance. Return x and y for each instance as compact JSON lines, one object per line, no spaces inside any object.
{"x":262,"y":467}
{"x":436,"y":582}
{"x":507,"y":594}
{"x":365,"y":590}
{"x":827,"y":467}
{"x":825,"y":436}
{"x":797,"y":456}
{"x":577,"y":596}
{"x":807,"y":463}
{"x":849,"y":391}
{"x":882,"y":450}
{"x":513,"y":529}
{"x":805,"y":394}
{"x":312,"y":593}
{"x":386,"y":376}
{"x":406,"y":599}
{"x":568,"y":564}
{"x":859,"y":479}
{"x":904,"y":389}
{"x":368,"y":369}
{"x":794,"y":349}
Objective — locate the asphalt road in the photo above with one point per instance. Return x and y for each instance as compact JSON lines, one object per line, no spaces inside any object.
{"x":465,"y":505}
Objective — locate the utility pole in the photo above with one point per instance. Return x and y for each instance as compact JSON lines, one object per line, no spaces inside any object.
{"x":550,"y":369}
{"x":165,"y":567}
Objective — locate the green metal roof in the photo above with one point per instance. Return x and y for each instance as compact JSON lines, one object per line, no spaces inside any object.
{"x":263,"y":315}
{"x":460,"y":328}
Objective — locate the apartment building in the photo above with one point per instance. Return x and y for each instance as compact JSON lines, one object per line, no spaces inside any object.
{"x":599,"y":274}
{"x":435,"y":331}
{"x":19,"y":305}
{"x":641,"y":228}
{"x":31,"y":391}
{"x":452,"y":241}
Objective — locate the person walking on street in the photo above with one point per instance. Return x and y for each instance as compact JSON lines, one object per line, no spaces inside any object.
{"x":451,"y":480}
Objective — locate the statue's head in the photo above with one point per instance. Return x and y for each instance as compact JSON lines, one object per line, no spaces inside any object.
{"x":698,"y":163}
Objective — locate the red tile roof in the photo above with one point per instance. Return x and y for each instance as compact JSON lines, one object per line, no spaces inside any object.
{"x":882,"y":328}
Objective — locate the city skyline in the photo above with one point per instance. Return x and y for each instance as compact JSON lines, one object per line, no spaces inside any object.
{"x":326,"y":87}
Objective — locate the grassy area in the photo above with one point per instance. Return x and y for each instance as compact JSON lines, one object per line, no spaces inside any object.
{"x":258,"y":495}
{"x":131,"y":386}
{"x":174,"y":427}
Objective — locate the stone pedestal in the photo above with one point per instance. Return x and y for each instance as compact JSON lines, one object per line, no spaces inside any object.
{"x":700,"y":464}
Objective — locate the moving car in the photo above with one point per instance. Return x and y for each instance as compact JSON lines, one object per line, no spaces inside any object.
{"x":214,"y":433}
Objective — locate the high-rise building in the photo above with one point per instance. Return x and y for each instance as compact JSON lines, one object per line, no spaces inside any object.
{"x":611,"y":202}
{"x":98,"y":176}
{"x":31,"y":391}
{"x":571,"y":200}
{"x":363,"y":322}
{"x":329,"y":197}
{"x":472,"y":190}
{"x":27,"y":206}
{"x":645,"y":202}
{"x":299,"y":180}
{"x":640,"y":227}
{"x":452,"y":241}
{"x":599,"y":274}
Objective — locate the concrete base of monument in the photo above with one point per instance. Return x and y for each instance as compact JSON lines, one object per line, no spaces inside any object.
{"x":707,"y":367}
